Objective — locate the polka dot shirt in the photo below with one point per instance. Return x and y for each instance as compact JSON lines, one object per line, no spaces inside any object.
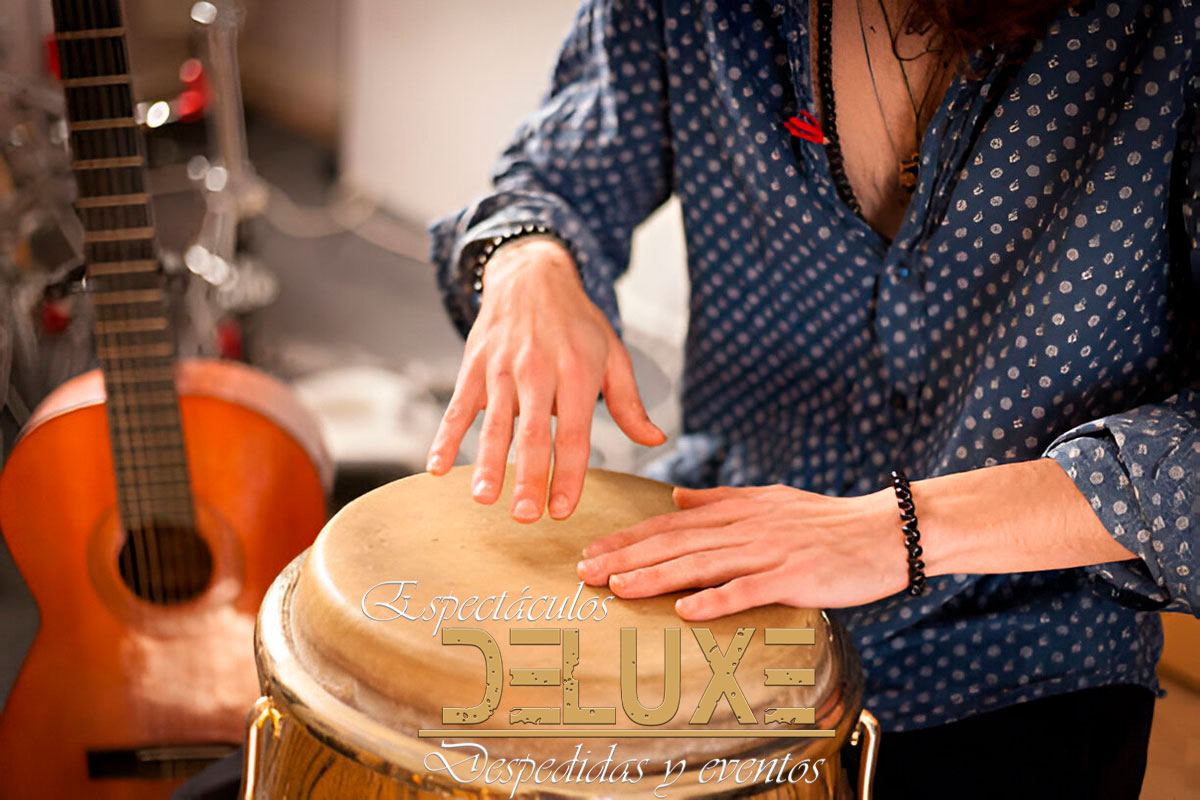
{"x":1039,"y":301}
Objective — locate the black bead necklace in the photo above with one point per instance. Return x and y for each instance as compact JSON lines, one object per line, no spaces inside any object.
{"x":833,"y":149}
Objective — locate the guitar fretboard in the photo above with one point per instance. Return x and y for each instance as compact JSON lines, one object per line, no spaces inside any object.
{"x":133,"y":341}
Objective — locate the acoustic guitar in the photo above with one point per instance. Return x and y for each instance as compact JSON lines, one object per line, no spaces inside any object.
{"x":149,"y":504}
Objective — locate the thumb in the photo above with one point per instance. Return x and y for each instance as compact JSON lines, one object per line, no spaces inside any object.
{"x":623,"y":401}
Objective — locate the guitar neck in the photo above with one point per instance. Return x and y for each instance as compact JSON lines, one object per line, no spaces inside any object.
{"x":133,"y":340}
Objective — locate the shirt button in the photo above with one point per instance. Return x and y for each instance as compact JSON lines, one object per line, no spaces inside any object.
{"x":899,"y":401}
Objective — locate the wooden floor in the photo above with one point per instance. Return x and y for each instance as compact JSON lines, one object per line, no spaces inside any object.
{"x":1173,"y":765}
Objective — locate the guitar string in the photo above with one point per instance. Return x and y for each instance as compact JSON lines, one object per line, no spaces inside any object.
{"x":129,"y":507}
{"x":146,"y":531}
{"x":157,"y":451}
{"x":184,"y":573}
{"x":132,"y":504}
{"x":130,"y":469}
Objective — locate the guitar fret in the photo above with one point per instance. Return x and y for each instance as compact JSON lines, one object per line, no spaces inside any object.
{"x":130,"y":461}
{"x":134,"y":296}
{"x":132,"y":325}
{"x":132,"y":344}
{"x":111,"y":200}
{"x":109,"y":163}
{"x":119,"y":235}
{"x":96,"y":80}
{"x":148,"y":424}
{"x":163,"y":441}
{"x":150,"y":403}
{"x":123,"y":377}
{"x":103,"y":268}
{"x":103,"y":124}
{"x":127,"y":430}
{"x":129,"y":475}
{"x":155,"y":499}
{"x":119,"y":351}
{"x":95,"y":33}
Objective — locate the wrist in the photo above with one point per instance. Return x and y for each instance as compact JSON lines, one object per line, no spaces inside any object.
{"x":1021,"y":517}
{"x":533,"y":253}
{"x":478,"y":254}
{"x":889,"y":549}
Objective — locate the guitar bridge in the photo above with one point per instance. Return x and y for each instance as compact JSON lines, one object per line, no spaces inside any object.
{"x":154,"y":763}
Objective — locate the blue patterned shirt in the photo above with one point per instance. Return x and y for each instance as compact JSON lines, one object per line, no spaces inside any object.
{"x":1039,"y":300}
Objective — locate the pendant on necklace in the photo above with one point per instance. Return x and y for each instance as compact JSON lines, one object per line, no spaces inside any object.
{"x":908,"y":172}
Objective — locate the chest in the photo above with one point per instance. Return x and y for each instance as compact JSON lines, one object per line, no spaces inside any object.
{"x":887,"y":81}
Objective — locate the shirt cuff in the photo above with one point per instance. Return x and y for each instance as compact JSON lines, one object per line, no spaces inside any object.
{"x":1139,"y":471}
{"x":457,"y":238}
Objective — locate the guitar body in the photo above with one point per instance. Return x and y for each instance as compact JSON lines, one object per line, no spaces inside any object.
{"x":110,"y":672}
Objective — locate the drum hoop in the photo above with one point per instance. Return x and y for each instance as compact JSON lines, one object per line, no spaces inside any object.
{"x":355,"y":735}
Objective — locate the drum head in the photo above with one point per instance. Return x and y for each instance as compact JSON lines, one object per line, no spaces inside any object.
{"x":387,"y":623}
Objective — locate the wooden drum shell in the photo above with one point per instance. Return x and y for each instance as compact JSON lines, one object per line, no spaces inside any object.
{"x":353,"y":707}
{"x":303,"y":743}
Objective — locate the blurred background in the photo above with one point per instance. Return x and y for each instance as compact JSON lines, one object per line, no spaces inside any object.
{"x":301,"y":246}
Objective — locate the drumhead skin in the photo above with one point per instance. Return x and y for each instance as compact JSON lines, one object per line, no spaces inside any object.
{"x":397,"y":616}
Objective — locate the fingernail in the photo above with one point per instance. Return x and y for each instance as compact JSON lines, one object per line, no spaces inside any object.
{"x":683,"y":605}
{"x":525,"y":509}
{"x":481,"y":488}
{"x":434,"y":464}
{"x":581,"y":569}
{"x":560,"y":506}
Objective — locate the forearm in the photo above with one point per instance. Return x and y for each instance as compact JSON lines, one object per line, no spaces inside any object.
{"x":1020,"y":517}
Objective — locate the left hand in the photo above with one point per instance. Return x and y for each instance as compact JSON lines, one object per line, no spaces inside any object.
{"x":755,"y":546}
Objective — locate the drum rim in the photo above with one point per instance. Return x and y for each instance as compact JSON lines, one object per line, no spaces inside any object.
{"x":357,"y":736}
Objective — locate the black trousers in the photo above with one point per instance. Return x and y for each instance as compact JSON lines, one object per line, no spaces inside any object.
{"x":1084,"y":745}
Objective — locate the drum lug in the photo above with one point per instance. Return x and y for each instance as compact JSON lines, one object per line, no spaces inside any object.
{"x":264,"y":711}
{"x":868,"y":727}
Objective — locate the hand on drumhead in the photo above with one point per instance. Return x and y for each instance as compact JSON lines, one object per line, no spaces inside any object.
{"x":539,"y":348}
{"x":749,"y":547}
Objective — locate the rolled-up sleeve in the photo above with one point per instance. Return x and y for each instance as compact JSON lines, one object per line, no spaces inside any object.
{"x":1141,"y":470}
{"x":1141,"y":473}
{"x":592,"y":162}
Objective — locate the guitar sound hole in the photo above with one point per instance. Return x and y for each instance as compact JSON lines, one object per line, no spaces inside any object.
{"x":165,"y":563}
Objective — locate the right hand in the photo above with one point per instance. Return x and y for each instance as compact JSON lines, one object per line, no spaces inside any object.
{"x":539,"y":347}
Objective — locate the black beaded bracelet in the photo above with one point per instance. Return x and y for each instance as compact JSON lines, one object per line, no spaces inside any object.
{"x":490,"y":246}
{"x":912,"y":536}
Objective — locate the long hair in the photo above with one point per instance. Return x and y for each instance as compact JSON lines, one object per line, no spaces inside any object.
{"x":967,"y":25}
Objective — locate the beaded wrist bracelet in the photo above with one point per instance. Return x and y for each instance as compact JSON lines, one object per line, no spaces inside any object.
{"x":490,"y":246}
{"x":912,"y":536}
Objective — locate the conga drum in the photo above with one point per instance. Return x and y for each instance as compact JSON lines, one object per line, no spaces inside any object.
{"x":427,"y":646}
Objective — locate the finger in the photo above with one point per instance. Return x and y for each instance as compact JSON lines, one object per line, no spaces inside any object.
{"x":460,"y":413}
{"x":623,"y":401}
{"x":657,"y":549}
{"x":706,"y":568}
{"x":692,"y":498}
{"x":572,"y":442}
{"x":494,"y":439}
{"x":533,"y":448}
{"x":739,"y":594}
{"x":703,"y":517}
